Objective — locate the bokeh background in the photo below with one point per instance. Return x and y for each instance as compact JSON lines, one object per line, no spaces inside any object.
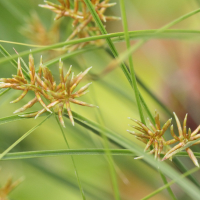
{"x":168,"y":67}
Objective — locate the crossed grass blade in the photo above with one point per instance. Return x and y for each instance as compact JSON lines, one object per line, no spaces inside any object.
{"x":22,"y":138}
{"x":72,"y":158}
{"x":189,"y":187}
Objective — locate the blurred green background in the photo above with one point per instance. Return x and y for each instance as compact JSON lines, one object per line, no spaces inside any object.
{"x":169,"y":68}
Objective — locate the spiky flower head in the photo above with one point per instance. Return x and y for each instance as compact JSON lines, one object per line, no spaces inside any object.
{"x":152,"y":136}
{"x":185,"y":136}
{"x":43,"y":84}
{"x":82,"y":18}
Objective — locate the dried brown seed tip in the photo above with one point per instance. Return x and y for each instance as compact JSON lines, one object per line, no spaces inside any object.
{"x":192,"y":156}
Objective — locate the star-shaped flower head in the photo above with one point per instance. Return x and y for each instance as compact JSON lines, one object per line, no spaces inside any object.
{"x":152,"y":136}
{"x":43,"y":84}
{"x":83,"y":21}
{"x":78,"y":10}
{"x":185,"y":136}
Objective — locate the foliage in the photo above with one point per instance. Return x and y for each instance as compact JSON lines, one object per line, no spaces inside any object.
{"x":99,"y":150}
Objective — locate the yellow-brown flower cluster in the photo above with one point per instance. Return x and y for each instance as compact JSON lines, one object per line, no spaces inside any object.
{"x":44,"y":85}
{"x":83,"y":21}
{"x":153,"y":137}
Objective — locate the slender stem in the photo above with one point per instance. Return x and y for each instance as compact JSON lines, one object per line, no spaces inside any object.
{"x":132,"y":71}
{"x":80,"y":152}
{"x":22,"y":138}
{"x":125,"y":143}
{"x":188,"y":187}
{"x":119,"y":36}
{"x":168,"y":188}
{"x":170,"y":183}
{"x":13,"y":62}
{"x":75,"y":168}
{"x":65,"y":152}
{"x":113,"y":49}
{"x":136,"y":46}
{"x":158,"y":31}
{"x":108,"y":153}
{"x":182,"y":168}
{"x":134,"y":82}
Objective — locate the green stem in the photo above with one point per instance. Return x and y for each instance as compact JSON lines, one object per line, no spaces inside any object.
{"x":108,"y":154}
{"x":132,"y":72}
{"x":125,"y":143}
{"x":22,"y":138}
{"x":117,"y":37}
{"x":114,"y":51}
{"x":170,"y":183}
{"x":182,"y":168}
{"x":158,"y":31}
{"x":80,"y":152}
{"x":74,"y":164}
{"x":65,"y":152}
{"x":168,"y":188}
{"x":13,"y":62}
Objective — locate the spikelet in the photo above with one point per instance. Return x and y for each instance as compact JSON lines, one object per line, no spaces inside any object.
{"x":151,"y":137}
{"x":82,"y":19}
{"x":184,"y":137}
{"x":44,"y":85}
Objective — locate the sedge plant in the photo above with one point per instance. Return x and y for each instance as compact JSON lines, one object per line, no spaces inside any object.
{"x":56,"y":94}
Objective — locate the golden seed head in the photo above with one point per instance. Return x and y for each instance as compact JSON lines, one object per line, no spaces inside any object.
{"x":43,"y":84}
{"x":153,"y":135}
{"x":82,"y":24}
{"x":183,"y":139}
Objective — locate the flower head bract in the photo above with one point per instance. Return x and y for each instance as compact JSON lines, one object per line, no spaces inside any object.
{"x":152,"y":136}
{"x":83,"y":21}
{"x":185,"y":136}
{"x":43,"y":84}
